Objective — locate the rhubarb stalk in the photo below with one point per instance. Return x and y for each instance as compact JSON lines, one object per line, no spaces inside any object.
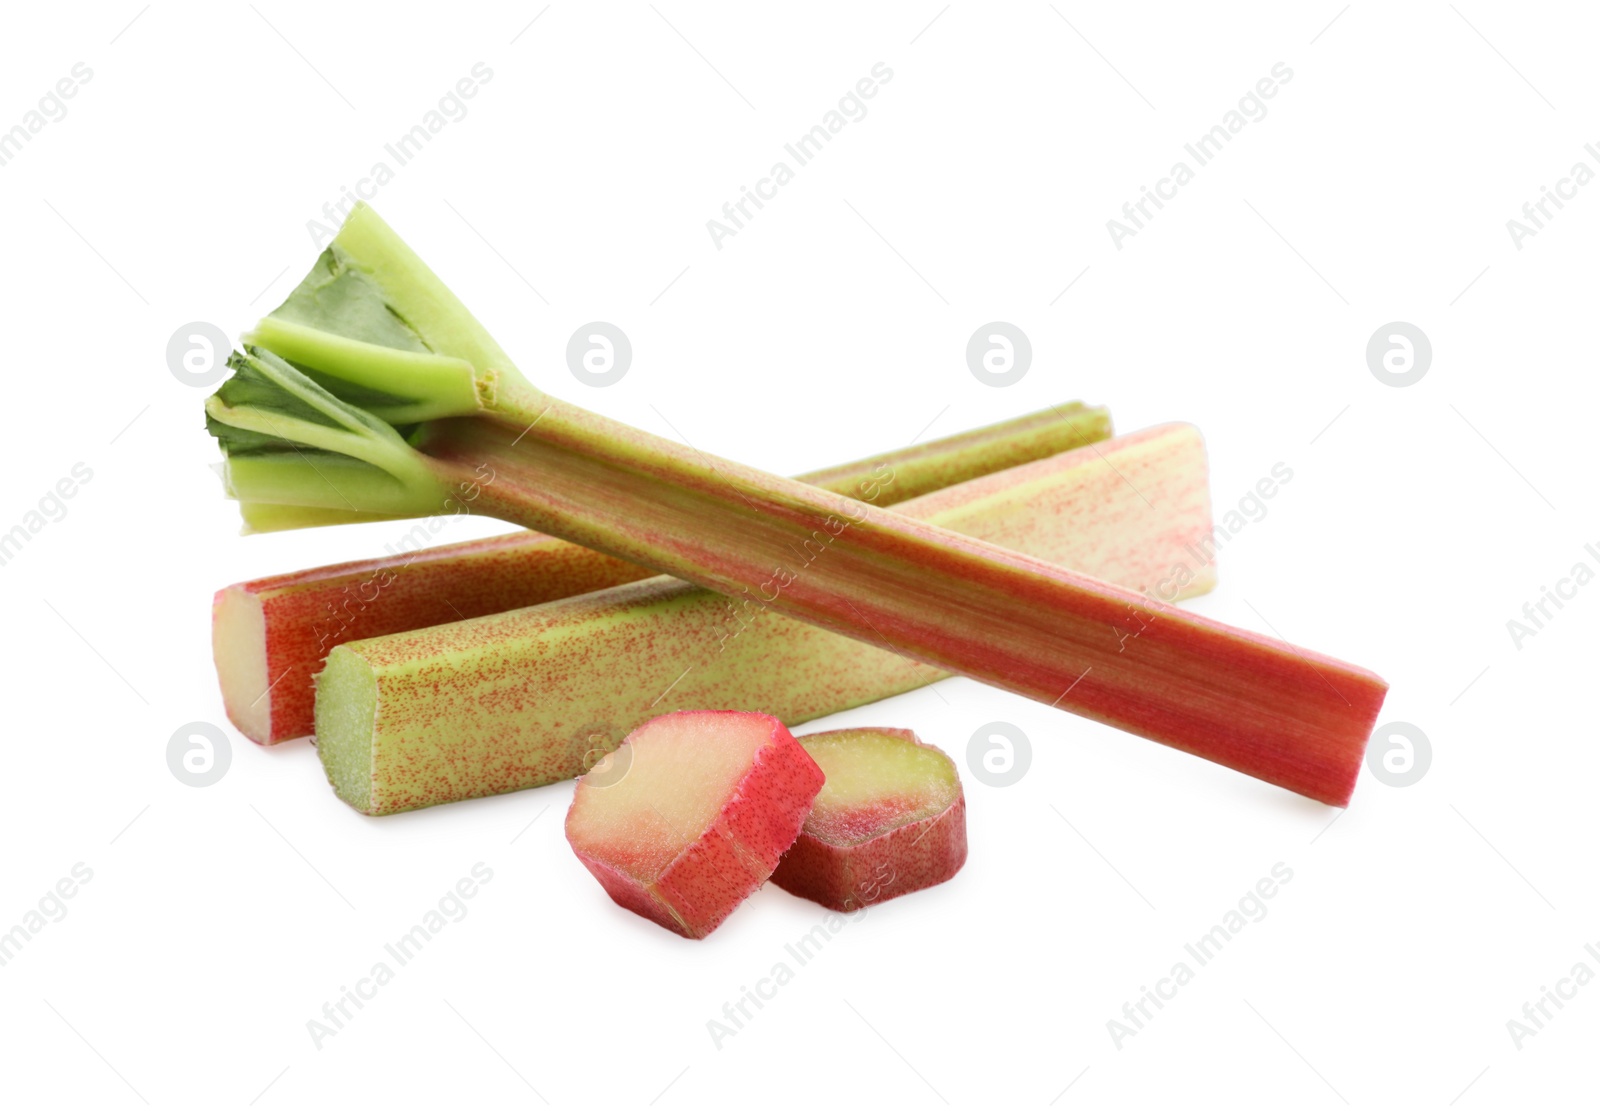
{"x":328,"y":437}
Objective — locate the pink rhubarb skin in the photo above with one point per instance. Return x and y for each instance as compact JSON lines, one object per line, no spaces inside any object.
{"x":270,"y":635}
{"x":689,"y":879}
{"x":908,"y":834}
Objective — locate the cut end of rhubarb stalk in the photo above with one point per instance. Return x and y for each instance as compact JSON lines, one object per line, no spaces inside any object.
{"x":239,"y":647}
{"x":347,"y":706}
{"x":685,"y":820}
{"x":891,"y":819}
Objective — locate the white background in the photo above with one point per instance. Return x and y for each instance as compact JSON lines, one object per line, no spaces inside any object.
{"x":1419,"y":521}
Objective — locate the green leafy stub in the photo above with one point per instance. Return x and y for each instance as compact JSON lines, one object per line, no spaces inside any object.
{"x":330,"y":384}
{"x":340,"y":328}
{"x":338,"y":298}
{"x":289,"y":442}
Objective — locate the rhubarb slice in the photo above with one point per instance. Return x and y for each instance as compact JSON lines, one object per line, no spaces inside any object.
{"x":270,"y":636}
{"x":537,"y":695}
{"x":691,"y":814}
{"x":479,"y":437}
{"x":891,"y":819}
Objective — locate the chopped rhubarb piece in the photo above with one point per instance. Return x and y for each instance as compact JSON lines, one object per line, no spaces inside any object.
{"x":891,"y":819}
{"x":685,"y":820}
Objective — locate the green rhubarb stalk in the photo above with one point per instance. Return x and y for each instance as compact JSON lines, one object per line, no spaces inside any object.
{"x":269,"y":636}
{"x":1288,"y":716}
{"x":537,"y":695}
